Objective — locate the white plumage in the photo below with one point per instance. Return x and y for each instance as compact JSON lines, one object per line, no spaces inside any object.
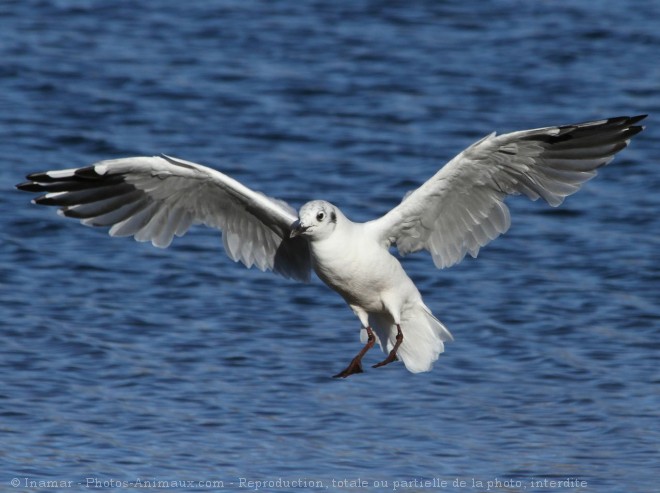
{"x":457,"y":211}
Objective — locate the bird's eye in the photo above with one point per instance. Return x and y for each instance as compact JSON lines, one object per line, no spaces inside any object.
{"x":320,"y":216}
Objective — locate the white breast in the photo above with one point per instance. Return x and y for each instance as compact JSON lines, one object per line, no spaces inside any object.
{"x":358,"y":268}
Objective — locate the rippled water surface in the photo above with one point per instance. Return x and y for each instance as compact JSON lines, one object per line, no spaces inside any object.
{"x":120,"y":361}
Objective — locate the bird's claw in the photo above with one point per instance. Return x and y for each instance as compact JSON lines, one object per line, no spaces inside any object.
{"x":353,"y":367}
{"x":390,"y":358}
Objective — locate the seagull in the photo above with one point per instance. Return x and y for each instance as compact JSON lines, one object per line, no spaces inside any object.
{"x":457,"y":211}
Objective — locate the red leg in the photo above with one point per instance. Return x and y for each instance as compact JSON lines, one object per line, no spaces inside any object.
{"x":355,"y":366}
{"x":392,"y":356}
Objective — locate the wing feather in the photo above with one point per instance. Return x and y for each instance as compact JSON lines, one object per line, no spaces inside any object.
{"x":461,"y":208}
{"x":157,"y":198}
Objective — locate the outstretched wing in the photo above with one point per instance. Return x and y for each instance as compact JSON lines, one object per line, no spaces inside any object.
{"x":461,"y":208}
{"x":155,"y":198}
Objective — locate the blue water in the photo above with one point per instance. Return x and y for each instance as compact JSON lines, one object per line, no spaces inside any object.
{"x":120,"y":361}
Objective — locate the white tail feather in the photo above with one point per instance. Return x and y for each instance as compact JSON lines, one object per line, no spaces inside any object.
{"x":423,"y":336}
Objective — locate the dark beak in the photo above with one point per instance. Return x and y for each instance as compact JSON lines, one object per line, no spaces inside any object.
{"x":297,"y":229}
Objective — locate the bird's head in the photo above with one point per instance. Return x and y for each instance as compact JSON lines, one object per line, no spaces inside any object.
{"x":316,"y":220}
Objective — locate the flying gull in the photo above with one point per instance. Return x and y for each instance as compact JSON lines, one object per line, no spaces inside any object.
{"x":457,"y":211}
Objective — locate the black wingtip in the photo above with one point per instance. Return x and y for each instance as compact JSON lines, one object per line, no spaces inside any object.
{"x":632,"y":131}
{"x":45,"y":200}
{"x":41,"y":176}
{"x":637,"y":128}
{"x":87,"y":173}
{"x":616,"y":121}
{"x":634,"y":119}
{"x":29,"y":186}
{"x":627,"y":121}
